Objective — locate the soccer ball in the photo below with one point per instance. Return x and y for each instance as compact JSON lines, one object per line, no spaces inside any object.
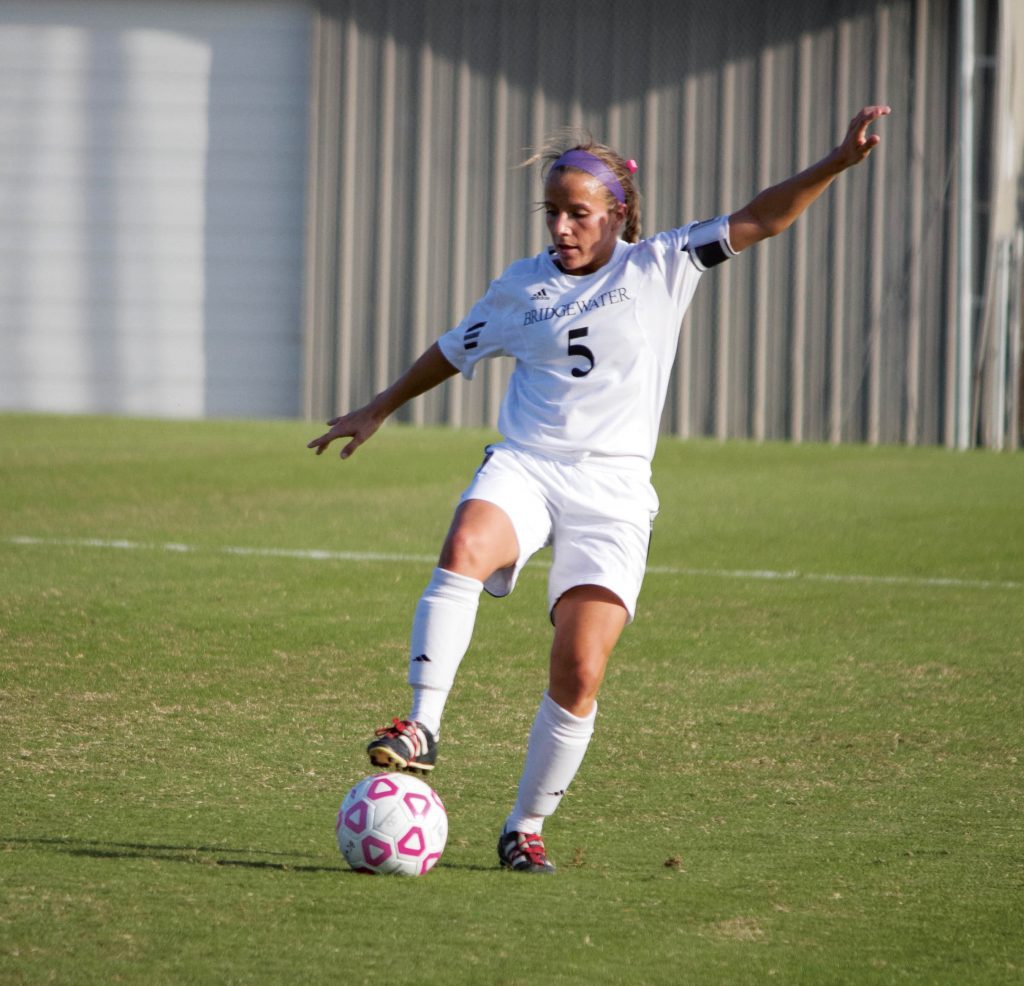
{"x":392,"y":823}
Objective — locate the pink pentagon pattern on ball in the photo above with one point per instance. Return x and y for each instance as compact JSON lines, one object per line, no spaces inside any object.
{"x":418,"y":804}
{"x":355,"y":817}
{"x":382,"y":787}
{"x":412,"y":843}
{"x":375,"y":851}
{"x":428,"y":862}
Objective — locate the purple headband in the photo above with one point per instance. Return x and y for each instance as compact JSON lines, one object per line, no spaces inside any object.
{"x":594,"y":166}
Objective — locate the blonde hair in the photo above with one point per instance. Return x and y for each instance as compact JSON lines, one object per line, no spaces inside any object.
{"x":571,"y":140}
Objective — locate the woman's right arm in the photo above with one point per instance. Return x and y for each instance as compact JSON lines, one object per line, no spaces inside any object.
{"x":430,"y":370}
{"x":777,"y":208}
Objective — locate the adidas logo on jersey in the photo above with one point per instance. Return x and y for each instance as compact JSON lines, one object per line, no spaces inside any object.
{"x":422,"y":659}
{"x":541,"y":295}
{"x":470,"y":339}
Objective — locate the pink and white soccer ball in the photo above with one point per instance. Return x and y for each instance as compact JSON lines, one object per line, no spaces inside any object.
{"x":392,"y":823}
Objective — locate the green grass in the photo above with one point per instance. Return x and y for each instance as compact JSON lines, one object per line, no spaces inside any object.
{"x":799,"y":779}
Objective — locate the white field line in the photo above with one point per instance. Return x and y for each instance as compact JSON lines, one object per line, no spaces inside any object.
{"x":317,"y":554}
{"x":172,"y":546}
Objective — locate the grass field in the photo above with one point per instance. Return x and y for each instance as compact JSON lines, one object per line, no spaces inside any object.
{"x":807,"y":766}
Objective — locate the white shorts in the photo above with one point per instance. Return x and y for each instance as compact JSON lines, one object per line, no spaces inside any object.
{"x":596,"y":515}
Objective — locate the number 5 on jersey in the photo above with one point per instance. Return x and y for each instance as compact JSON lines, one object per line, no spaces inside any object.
{"x":575,"y":349}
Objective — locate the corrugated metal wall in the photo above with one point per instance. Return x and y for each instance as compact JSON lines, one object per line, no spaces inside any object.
{"x":839,"y":330}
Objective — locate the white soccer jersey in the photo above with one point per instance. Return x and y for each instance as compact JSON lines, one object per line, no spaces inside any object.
{"x":593,"y":353}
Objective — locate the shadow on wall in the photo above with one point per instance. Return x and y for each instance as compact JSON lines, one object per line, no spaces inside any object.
{"x":571,"y":30}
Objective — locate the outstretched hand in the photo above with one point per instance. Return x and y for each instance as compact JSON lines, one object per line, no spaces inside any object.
{"x":431,"y":369}
{"x":776,"y":208}
{"x":858,"y":143}
{"x":358,"y":425}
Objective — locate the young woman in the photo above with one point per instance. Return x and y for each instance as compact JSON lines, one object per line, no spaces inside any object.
{"x":593,"y":323}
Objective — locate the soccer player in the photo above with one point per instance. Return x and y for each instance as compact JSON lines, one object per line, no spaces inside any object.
{"x":593,"y":323}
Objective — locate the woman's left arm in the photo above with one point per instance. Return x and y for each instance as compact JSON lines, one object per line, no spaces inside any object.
{"x":778,"y":207}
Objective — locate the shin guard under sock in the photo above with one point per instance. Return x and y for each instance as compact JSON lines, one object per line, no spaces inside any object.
{"x":558,"y":743}
{"x":441,"y":632}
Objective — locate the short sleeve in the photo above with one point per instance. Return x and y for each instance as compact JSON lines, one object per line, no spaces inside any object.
{"x":479,"y":335}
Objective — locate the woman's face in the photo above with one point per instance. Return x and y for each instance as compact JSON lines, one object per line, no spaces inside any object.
{"x":583,"y":227}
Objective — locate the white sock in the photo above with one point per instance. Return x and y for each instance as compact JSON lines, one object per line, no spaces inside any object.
{"x":558,"y":743}
{"x":428,"y":707}
{"x":441,"y":632}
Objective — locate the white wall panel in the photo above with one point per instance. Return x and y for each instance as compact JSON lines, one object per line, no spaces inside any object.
{"x":152,"y":169}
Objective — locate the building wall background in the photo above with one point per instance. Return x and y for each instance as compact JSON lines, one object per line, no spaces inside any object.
{"x":843,"y":329}
{"x":268,"y":208}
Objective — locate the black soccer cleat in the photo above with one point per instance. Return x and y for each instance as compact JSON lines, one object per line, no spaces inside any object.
{"x":524,"y":852}
{"x":404,"y":745}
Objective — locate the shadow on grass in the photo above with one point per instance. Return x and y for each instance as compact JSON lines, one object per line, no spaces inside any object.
{"x":197,"y":855}
{"x":194,"y":855}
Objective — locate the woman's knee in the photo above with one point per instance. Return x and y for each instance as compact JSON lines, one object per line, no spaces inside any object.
{"x":464,"y":548}
{"x":480,"y":541}
{"x":574,"y":684}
